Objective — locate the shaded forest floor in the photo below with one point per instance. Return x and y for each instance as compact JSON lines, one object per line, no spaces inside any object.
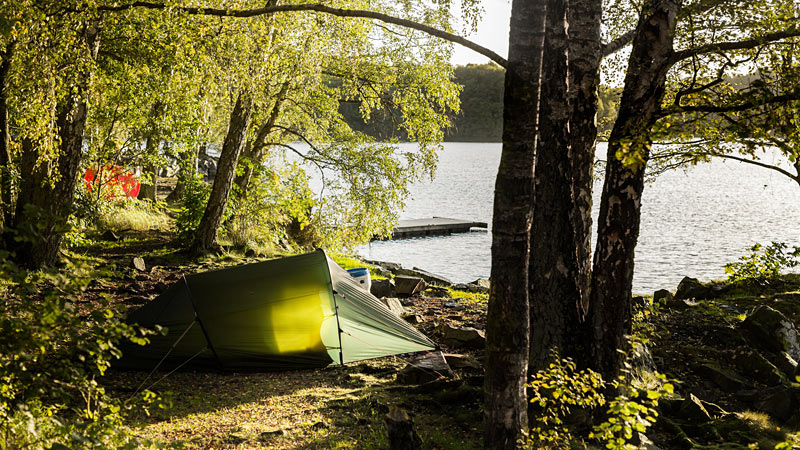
{"x":691,"y":342}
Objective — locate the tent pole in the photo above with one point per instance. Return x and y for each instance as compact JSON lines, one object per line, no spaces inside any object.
{"x":338,"y":327}
{"x":203,"y":328}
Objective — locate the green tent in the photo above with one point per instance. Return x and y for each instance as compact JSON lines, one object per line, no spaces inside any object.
{"x":291,"y":313}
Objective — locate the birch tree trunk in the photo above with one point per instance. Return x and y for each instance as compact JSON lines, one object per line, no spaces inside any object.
{"x":508,"y":327}
{"x":555,"y":296}
{"x":620,"y":206}
{"x":206,"y":235}
{"x":43,"y":209}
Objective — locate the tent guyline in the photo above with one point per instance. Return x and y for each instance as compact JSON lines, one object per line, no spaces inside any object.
{"x":292,"y":313}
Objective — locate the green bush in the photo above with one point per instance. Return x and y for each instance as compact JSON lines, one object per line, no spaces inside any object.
{"x":561,"y":391}
{"x":276,"y":201}
{"x":763,"y":264}
{"x":192,"y":205}
{"x":51,"y":357}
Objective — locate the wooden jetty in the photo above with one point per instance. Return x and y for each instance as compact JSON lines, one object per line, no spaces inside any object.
{"x":435,"y":226}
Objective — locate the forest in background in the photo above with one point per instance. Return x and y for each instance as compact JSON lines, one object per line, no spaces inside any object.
{"x":481,"y":116}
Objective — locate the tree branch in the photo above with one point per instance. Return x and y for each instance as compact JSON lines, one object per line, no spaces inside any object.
{"x":733,"y":108}
{"x":315,"y":7}
{"x":759,"y":164}
{"x":734,"y":45}
{"x":618,"y":43}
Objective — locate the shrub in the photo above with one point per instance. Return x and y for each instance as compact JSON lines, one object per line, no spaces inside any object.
{"x":192,"y":205}
{"x":763,"y":264}
{"x":561,"y":391}
{"x":51,"y":356}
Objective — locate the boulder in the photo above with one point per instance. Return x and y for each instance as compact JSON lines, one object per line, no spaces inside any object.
{"x":727,"y":380}
{"x":250,"y":253}
{"x":394,"y":305}
{"x":757,"y":367}
{"x":408,"y":285}
{"x":769,"y":329}
{"x":427,"y":276}
{"x":778,"y":402}
{"x":462,"y":337}
{"x":460,"y":361}
{"x":786,"y":364}
{"x":692,"y":408}
{"x":138,"y":264}
{"x":662,"y":295}
{"x":425,"y":368}
{"x":692,"y":288}
{"x":382,"y":288}
{"x":679,"y":304}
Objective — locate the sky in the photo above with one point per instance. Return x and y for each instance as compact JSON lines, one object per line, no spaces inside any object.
{"x":492,"y":33}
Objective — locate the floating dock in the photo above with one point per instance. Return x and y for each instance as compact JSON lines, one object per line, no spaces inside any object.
{"x":435,"y":226}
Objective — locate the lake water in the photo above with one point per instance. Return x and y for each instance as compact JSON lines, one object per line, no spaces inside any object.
{"x":693,"y":221}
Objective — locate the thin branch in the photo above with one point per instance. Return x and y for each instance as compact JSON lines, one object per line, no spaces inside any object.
{"x":734,"y":45}
{"x":733,"y":108}
{"x":760,"y":164}
{"x":315,"y":7}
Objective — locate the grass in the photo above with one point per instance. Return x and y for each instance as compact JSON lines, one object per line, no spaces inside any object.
{"x":326,"y":408}
{"x":350,"y":262}
{"x":471,"y":296}
{"x":135,"y":216}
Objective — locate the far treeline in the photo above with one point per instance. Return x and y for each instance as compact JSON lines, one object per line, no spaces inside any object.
{"x":481,"y":116}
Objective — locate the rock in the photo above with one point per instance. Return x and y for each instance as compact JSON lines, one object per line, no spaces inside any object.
{"x":250,"y":253}
{"x":408,"y":285}
{"x":462,"y":337}
{"x":400,"y":430}
{"x":382,"y":288}
{"x":482,"y":283}
{"x":413,"y":319}
{"x":770,"y":329}
{"x":138,"y":264}
{"x":641,"y":360}
{"x":692,"y":409}
{"x":427,"y":276}
{"x":473,"y":287}
{"x":662,"y":295}
{"x":394,"y":305}
{"x":786,"y":364}
{"x":110,"y":236}
{"x":459,"y":361}
{"x":385,"y":265}
{"x":756,"y":366}
{"x":679,"y":304}
{"x":437,"y":291}
{"x":640,"y":303}
{"x":777,"y":402}
{"x":455,"y":306}
{"x":692,"y":288}
{"x":269,"y":435}
{"x":425,"y":368}
{"x":725,"y":379}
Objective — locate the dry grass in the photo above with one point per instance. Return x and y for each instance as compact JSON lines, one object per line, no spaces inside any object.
{"x":135,"y":217}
